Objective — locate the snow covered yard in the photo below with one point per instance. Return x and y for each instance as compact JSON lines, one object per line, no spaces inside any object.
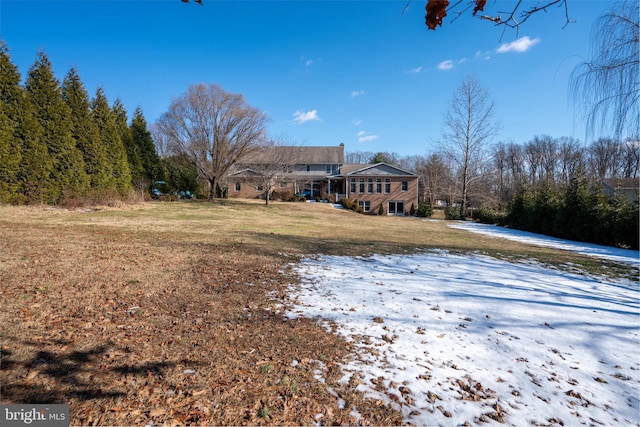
{"x":468,"y":339}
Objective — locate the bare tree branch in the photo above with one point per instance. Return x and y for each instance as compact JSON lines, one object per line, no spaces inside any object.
{"x":213,"y":128}
{"x":606,"y":87}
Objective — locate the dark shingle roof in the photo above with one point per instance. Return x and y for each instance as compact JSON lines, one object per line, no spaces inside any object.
{"x":306,"y":155}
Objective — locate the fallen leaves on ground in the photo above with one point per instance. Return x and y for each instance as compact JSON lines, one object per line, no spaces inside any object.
{"x":132,"y":327}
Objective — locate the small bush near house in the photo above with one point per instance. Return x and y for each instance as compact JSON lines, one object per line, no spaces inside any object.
{"x":412,"y":210}
{"x":381,"y":210}
{"x":351,"y":205}
{"x":452,"y":213}
{"x":424,"y":210}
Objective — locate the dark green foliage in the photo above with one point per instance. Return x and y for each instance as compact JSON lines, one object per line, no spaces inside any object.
{"x":145,"y":149}
{"x":105,"y":119}
{"x":453,"y":213}
{"x":68,"y":177}
{"x":58,"y":146}
{"x":489,"y":215}
{"x":10,"y":157}
{"x":86,"y":134}
{"x":381,"y":210}
{"x":412,"y":210}
{"x":181,"y":174}
{"x":11,"y":103}
{"x":424,"y":210}
{"x":126,"y":137}
{"x":582,"y":213}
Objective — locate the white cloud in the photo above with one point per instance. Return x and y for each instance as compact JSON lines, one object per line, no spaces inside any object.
{"x":523,"y":44}
{"x":305,"y":116}
{"x":482,"y":55}
{"x":416,"y":70}
{"x":363,"y":137}
{"x":308,"y":62}
{"x":356,"y":93}
{"x":446,"y":65}
{"x":357,"y":122}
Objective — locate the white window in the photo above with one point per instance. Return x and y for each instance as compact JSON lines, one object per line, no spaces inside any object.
{"x":236,"y":186}
{"x":366,"y":206}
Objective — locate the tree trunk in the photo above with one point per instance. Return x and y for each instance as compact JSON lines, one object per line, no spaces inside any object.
{"x":212,"y":193}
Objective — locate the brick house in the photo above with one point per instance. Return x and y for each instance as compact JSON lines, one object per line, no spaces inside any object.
{"x":321,"y":172}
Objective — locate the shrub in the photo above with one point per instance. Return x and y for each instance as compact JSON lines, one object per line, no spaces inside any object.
{"x":381,"y":210}
{"x":489,"y":215}
{"x":351,"y":205}
{"x":412,"y":210}
{"x":452,"y":213}
{"x":424,"y":210}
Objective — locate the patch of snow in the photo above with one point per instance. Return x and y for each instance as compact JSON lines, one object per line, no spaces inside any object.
{"x":454,"y":339}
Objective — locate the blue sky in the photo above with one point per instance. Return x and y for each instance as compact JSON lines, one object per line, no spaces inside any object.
{"x":325,"y":72}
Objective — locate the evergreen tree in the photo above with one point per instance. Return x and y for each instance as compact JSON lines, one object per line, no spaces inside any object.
{"x":10,"y":147}
{"x":152,"y":169}
{"x":86,"y":134}
{"x":37,"y":166}
{"x":133,"y":155}
{"x":574,"y":218}
{"x":105,"y":120}
{"x":43,"y":91}
{"x":10,"y":157}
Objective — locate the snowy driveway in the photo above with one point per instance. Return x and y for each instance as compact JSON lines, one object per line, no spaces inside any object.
{"x":454,"y":339}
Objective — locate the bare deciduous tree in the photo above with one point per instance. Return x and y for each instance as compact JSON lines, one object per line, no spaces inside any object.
{"x":606,"y":86}
{"x":213,"y":128}
{"x":631,"y":159}
{"x":605,"y":158}
{"x":469,"y":126}
{"x":270,"y":164}
{"x":358,"y":157}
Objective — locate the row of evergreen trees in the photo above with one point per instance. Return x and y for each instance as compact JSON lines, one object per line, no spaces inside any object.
{"x":57,"y":144}
{"x":580,"y":212}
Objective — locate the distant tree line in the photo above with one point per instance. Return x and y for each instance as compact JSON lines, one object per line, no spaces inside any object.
{"x":546,"y":185}
{"x":57,"y":145}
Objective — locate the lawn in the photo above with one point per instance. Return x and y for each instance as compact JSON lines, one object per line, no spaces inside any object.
{"x":171,"y":313}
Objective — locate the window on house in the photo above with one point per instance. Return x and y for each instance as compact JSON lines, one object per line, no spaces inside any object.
{"x":237,"y":186}
{"x":370,"y":185}
{"x":405,"y":185}
{"x":366,"y":206}
{"x":362,"y":185}
{"x":283,"y":185}
{"x":327,"y":168}
{"x":378,"y":185}
{"x":308,"y":168}
{"x":352,"y":187}
{"x":396,"y":208}
{"x":387,"y":185}
{"x":260,"y":188}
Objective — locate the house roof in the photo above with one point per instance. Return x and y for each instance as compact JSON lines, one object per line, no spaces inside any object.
{"x":622,"y":183}
{"x":378,"y":169}
{"x":311,"y":155}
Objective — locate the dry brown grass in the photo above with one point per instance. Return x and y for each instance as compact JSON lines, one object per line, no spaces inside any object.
{"x":168,"y":312}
